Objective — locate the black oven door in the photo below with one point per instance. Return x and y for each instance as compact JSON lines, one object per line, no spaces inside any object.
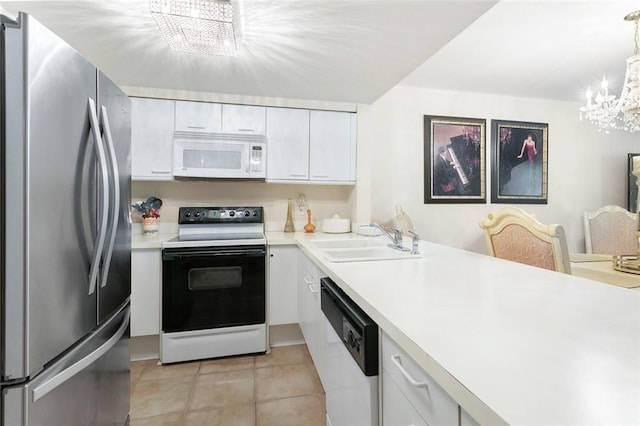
{"x":213,"y":287}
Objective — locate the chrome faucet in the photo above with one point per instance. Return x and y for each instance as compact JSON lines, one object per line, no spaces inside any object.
{"x":415,"y":238}
{"x":396,"y":237}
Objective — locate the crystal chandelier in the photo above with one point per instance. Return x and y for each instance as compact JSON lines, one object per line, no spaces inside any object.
{"x":607,"y":112}
{"x":196,"y":26}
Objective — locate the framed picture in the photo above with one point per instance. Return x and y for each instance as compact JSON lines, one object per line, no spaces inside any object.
{"x":519,"y":168}
{"x":454,"y":160}
{"x":632,"y":186}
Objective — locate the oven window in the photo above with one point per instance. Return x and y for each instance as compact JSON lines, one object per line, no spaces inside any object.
{"x":215,"y":278}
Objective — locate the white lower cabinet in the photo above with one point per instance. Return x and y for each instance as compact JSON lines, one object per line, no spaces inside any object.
{"x":467,"y":420}
{"x":283,"y":285}
{"x":146,"y":276}
{"x":396,"y":408}
{"x":310,"y":315}
{"x":408,"y":385}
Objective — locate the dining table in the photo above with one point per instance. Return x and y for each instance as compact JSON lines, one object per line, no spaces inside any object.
{"x":599,"y":267}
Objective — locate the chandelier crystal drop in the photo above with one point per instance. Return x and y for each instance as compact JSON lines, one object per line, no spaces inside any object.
{"x":196,"y":26}
{"x":607,"y":112}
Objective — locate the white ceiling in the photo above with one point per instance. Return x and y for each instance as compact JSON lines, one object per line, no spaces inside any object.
{"x":356,"y":50}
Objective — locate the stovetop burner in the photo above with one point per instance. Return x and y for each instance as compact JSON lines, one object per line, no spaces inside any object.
{"x":218,"y":226}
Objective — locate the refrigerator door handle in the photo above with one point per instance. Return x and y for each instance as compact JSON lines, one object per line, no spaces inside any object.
{"x":116,"y":195}
{"x":102,"y":159}
{"x":66,"y":374}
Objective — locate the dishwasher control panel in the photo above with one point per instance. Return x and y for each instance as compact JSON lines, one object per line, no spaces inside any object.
{"x":358,"y":332}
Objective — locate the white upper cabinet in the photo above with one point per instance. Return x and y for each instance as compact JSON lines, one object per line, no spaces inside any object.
{"x":151,"y":139}
{"x":288,"y":144}
{"x":332,"y":146}
{"x":198,"y":117}
{"x":311,"y":146}
{"x":243,"y":119}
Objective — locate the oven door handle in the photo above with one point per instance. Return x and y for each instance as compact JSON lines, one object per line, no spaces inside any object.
{"x":207,"y":253}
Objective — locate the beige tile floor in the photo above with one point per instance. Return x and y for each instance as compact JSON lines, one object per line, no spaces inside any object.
{"x":279,"y":388}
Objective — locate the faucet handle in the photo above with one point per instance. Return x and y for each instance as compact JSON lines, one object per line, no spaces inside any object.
{"x":397,"y":235}
{"x":414,"y":242}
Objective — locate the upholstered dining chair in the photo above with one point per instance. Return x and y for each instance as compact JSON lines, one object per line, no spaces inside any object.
{"x":610,"y":230}
{"x":514,"y":235}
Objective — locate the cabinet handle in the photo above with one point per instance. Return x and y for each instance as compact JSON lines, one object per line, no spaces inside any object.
{"x":298,"y":175}
{"x":313,"y":288}
{"x":308,"y":279}
{"x":161,"y":172}
{"x":396,"y":360}
{"x":196,"y":127}
{"x":246,"y":130}
{"x":320,"y":176}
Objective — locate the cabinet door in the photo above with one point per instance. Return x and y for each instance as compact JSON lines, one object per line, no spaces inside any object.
{"x":198,"y":117}
{"x":396,"y":408}
{"x":145,"y":292}
{"x":287,"y":144}
{"x":151,"y":139}
{"x":243,"y":119}
{"x":467,"y":420}
{"x":283,"y":285}
{"x":418,"y":387}
{"x":308,"y":302}
{"x":332,"y":145}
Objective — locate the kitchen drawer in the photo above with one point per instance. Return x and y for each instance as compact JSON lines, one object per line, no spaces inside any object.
{"x":396,"y":408}
{"x":429,"y":399}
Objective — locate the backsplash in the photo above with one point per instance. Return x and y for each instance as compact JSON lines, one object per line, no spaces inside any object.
{"x":323,"y":200}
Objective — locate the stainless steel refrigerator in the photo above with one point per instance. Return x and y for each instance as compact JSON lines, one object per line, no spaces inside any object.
{"x":65,"y":226}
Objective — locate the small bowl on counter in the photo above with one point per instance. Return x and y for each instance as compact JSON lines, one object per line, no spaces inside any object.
{"x":336,"y":225}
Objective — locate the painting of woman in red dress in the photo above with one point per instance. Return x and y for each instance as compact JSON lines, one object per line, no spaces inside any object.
{"x":530,"y":145}
{"x":519,"y":162}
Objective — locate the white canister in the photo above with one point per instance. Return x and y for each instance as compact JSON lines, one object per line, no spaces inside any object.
{"x":336,"y":225}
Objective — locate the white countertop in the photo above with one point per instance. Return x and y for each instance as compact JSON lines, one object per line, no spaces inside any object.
{"x":513,"y":344}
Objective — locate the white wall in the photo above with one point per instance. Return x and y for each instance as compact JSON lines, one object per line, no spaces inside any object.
{"x":587,"y":169}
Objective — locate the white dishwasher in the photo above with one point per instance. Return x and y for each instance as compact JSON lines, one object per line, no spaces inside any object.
{"x":349,"y":360}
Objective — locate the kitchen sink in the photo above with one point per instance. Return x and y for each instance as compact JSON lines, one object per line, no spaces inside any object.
{"x":360,"y":250}
{"x":347,"y":244}
{"x":363,"y":254}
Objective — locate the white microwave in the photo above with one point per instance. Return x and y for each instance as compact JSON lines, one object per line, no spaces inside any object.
{"x":220,"y":158}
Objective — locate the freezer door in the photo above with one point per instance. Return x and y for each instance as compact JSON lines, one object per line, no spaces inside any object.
{"x":114,"y":108}
{"x":49,"y":215}
{"x":88,"y":386}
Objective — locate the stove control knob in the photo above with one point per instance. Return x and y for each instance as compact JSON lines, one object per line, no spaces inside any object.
{"x":197,"y":214}
{"x":232,"y":213}
{"x":246,"y":213}
{"x":254,"y":214}
{"x":188,"y":214}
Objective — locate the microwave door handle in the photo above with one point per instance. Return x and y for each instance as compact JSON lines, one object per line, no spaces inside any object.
{"x":102,"y":231}
{"x":116,"y":196}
